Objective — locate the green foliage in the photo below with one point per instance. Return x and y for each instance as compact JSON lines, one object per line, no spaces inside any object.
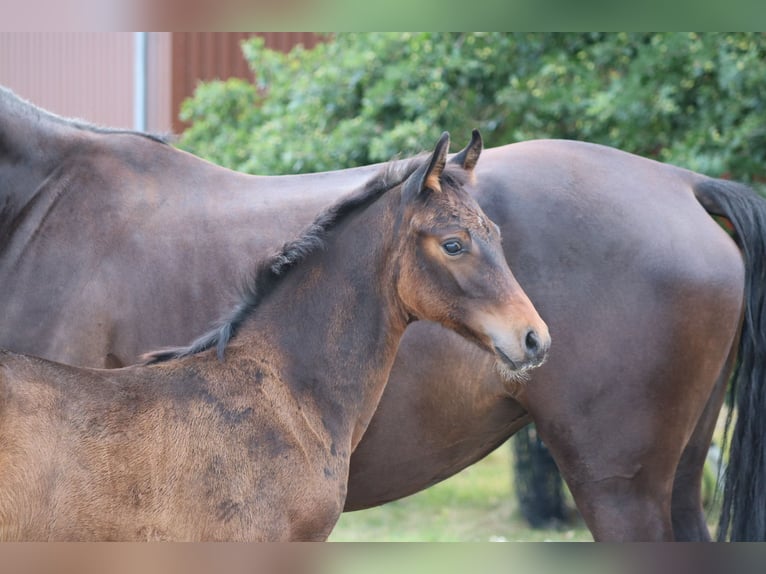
{"x":689,"y":99}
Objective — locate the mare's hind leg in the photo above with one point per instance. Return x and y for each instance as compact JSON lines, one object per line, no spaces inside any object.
{"x":621,"y":498}
{"x":618,"y":424}
{"x":689,"y":523}
{"x":615,"y":452}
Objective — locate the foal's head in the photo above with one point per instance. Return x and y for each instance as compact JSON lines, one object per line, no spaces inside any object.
{"x":452,"y":269}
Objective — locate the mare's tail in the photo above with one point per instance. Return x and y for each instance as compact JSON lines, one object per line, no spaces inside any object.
{"x":743,"y":515}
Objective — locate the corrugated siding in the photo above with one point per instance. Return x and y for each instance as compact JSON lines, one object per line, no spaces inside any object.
{"x":83,"y":75}
{"x":89,"y":75}
{"x":160,"y":111}
{"x":204,"y":56}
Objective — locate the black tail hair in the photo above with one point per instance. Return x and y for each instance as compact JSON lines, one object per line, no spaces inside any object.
{"x":743,"y":515}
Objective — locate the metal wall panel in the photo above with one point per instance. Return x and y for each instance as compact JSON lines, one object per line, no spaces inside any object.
{"x":89,"y":75}
{"x":84,"y":75}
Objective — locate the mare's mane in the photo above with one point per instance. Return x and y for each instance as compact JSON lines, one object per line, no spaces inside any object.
{"x":9,"y":100}
{"x":271,"y":270}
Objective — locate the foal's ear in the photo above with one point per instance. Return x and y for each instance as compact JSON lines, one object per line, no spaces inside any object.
{"x":427,"y":175}
{"x":430,"y":178}
{"x":468,"y":156}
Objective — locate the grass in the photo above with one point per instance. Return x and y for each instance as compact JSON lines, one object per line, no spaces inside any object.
{"x":476,"y":505}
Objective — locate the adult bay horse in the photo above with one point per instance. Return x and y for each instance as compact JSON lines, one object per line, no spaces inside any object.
{"x":112,"y":244}
{"x":257,"y":446}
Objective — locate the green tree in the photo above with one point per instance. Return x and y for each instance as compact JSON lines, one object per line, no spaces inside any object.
{"x":685,"y":98}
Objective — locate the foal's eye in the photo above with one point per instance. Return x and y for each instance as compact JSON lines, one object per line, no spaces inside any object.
{"x":452,"y":247}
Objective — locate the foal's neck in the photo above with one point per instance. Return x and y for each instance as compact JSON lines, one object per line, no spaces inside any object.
{"x":335,"y":320}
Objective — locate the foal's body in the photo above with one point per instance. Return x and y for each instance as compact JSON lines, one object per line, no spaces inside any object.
{"x":131,"y":454}
{"x":257,"y":447}
{"x":169,"y":452}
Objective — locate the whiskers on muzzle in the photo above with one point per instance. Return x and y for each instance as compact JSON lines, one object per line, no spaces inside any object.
{"x":517,"y":375}
{"x":514,"y":372}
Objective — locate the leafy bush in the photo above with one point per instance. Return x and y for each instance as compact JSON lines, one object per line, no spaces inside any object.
{"x":689,"y":99}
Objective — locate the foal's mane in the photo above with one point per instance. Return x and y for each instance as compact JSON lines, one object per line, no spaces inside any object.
{"x":271,"y":270}
{"x":10,"y":100}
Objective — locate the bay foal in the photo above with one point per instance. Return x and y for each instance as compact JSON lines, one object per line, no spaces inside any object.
{"x":247,"y":433}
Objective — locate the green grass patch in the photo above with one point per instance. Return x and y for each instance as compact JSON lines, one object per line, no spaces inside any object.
{"x":476,"y":505}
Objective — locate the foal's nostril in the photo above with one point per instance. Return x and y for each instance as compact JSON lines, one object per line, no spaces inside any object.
{"x":532,"y":342}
